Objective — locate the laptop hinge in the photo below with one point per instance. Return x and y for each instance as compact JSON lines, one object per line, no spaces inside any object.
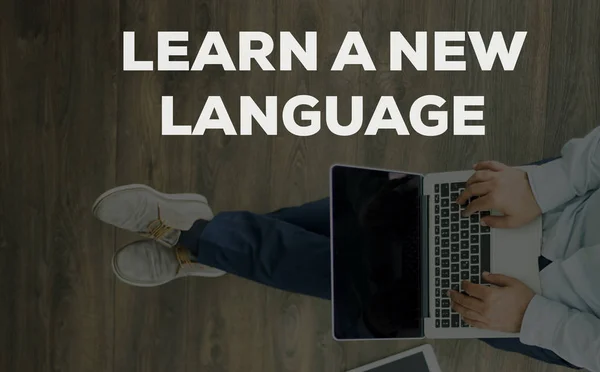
{"x":425,"y":255}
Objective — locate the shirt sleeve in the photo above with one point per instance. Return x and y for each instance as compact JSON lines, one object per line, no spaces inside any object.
{"x":571,"y":334}
{"x":574,"y":174}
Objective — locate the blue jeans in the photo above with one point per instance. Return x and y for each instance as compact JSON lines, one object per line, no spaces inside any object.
{"x":289,"y":249}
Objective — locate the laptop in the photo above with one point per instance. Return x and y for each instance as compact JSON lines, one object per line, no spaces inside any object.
{"x":399,"y":242}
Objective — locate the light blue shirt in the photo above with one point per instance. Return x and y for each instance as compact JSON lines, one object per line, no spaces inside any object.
{"x":565,"y":318}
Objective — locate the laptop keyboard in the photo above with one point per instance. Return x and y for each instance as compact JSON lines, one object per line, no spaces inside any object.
{"x":462,"y":250}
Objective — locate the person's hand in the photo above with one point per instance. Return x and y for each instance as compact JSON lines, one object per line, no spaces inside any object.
{"x":495,"y":308}
{"x":501,"y":188}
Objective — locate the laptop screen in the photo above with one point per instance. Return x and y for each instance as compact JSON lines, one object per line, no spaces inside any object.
{"x":376,"y":258}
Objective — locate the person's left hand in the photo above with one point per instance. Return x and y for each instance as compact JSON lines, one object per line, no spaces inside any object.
{"x":496,"y":308}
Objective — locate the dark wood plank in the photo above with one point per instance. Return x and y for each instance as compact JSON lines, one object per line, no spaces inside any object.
{"x":515,"y":100}
{"x":226,"y":328}
{"x":300,"y":326}
{"x":57,"y":109}
{"x":512,"y":98}
{"x":573,"y":90}
{"x":151,"y":323}
{"x":387,"y":149}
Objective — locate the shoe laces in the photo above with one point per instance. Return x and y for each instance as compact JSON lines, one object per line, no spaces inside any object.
{"x":158,"y":228}
{"x":183,"y":257}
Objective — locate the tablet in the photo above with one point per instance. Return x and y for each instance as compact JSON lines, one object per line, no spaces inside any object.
{"x":420,"y":359}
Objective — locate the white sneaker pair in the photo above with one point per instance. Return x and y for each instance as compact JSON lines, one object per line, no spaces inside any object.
{"x":160,"y":218}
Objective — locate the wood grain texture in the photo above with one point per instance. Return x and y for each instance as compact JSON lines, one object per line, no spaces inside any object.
{"x":151,"y":324}
{"x":58,"y":115}
{"x":72,"y":124}
{"x":222,"y":334}
{"x":574,"y":84}
{"x":299,"y":173}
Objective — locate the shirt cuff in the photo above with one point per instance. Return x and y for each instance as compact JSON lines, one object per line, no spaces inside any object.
{"x":539,"y":322}
{"x":550,"y":185}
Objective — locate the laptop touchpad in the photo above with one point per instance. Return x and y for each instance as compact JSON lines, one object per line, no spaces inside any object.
{"x":515,"y":253}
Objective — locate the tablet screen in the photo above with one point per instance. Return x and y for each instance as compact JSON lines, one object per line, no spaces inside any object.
{"x":419,"y":359}
{"x":412,"y":363}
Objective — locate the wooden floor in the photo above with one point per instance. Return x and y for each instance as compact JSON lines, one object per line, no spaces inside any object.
{"x":73,"y":124}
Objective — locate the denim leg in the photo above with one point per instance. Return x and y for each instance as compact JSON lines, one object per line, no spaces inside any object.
{"x":264,"y":249}
{"x":544,"y":161}
{"x":313,"y":216}
{"x":288,"y":249}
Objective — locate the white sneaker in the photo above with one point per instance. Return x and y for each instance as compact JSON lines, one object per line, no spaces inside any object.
{"x":147,"y":263}
{"x":152,"y":214}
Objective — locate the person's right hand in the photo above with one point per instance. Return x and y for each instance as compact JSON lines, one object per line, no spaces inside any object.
{"x":503,"y":189}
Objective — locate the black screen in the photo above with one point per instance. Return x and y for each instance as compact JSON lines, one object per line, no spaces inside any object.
{"x":376,"y":254}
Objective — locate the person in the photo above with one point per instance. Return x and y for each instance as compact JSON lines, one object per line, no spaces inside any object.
{"x":290,"y":249}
